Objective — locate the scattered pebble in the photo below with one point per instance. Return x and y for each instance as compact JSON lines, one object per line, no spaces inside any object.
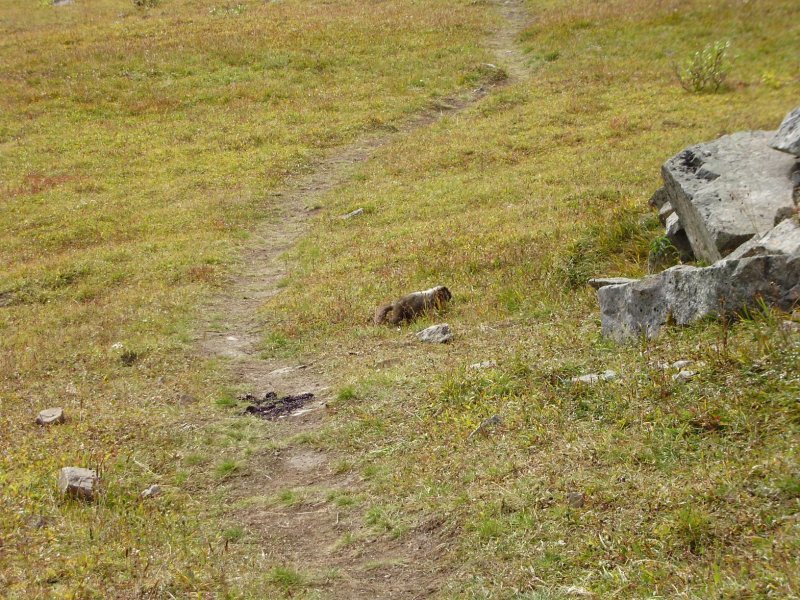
{"x":77,"y":482}
{"x":576,"y":499}
{"x":355,"y":213}
{"x":436,"y":334}
{"x":487,"y":364}
{"x":683,"y":376}
{"x":151,"y":492}
{"x":51,"y":416}
{"x":492,"y":421}
{"x":593,"y":378}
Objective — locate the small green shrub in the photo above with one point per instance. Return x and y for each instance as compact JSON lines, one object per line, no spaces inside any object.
{"x":663,"y":254}
{"x":706,"y":70}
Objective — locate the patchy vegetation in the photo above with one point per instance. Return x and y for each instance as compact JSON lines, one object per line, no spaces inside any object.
{"x":514,"y":204}
{"x":138,"y":146}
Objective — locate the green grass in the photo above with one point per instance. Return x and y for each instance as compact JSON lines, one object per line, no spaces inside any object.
{"x":690,"y":487}
{"x":138,"y":146}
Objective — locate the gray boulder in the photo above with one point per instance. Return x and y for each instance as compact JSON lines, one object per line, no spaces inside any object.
{"x":436,"y":334}
{"x":77,"y":482}
{"x":684,"y":294}
{"x":784,"y":238}
{"x":787,"y":139}
{"x":728,"y":190}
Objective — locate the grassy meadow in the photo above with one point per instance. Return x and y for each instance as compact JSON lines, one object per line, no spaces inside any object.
{"x":690,"y":489}
{"x":138,"y":146}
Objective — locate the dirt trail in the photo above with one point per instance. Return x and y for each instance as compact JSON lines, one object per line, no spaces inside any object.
{"x":307,"y":536}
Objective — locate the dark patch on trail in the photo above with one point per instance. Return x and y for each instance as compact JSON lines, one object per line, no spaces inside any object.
{"x":270,"y":407}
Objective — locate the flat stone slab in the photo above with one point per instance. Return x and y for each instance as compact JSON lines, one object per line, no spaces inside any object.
{"x":787,"y":138}
{"x":50,"y":416}
{"x":684,"y":294}
{"x":78,"y":482}
{"x":728,"y":190}
{"x":598,"y":282}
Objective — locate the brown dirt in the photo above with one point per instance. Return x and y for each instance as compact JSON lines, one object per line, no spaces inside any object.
{"x":305,"y":537}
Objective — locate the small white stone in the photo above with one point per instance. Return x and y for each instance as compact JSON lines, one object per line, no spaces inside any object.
{"x":355,"y":213}
{"x":592,"y":378}
{"x":680,"y":364}
{"x":436,"y":334}
{"x":487,"y":364}
{"x":683,"y":376}
{"x":151,"y":492}
{"x":51,"y":416}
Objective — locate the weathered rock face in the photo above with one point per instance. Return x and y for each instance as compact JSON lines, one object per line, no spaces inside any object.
{"x":598,"y":282}
{"x":77,"y":482}
{"x":781,"y":239}
{"x":684,"y":294}
{"x":726,"y":191}
{"x":787,"y":139}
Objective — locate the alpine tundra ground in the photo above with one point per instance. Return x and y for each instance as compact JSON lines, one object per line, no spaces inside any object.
{"x":155,"y":160}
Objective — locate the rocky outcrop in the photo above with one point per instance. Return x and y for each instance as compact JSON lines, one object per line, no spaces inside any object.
{"x":684,"y":294}
{"x":787,"y":139}
{"x":732,"y":202}
{"x":727,"y":191}
{"x":782,"y":239}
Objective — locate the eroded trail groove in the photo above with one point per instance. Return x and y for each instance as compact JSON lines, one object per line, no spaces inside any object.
{"x":305,"y":537}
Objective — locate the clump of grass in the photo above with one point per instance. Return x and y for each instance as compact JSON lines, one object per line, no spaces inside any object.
{"x":662,"y":254}
{"x":227,"y":468}
{"x":233,"y":534}
{"x":346,"y":393}
{"x":287,"y":578}
{"x":706,"y":70}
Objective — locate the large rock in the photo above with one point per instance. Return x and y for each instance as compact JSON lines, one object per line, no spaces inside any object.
{"x":78,"y":482}
{"x":728,"y":190}
{"x":784,"y":238}
{"x":787,"y":139}
{"x":684,"y":294}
